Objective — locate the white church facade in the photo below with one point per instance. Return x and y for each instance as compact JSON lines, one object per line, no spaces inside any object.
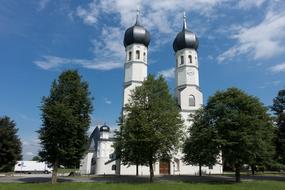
{"x":100,"y":159}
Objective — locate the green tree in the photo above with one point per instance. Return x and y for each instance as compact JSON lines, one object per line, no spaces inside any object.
{"x":130,"y":152}
{"x":278,"y":109}
{"x":201,"y":147}
{"x":244,"y":128}
{"x":10,"y":144}
{"x":65,"y":121}
{"x":36,"y":158}
{"x":152,"y":125}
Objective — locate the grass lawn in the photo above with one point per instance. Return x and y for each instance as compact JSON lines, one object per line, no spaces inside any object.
{"x":258,"y":185}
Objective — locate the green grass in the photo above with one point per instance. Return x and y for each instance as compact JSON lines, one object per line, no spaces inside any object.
{"x":253,"y":185}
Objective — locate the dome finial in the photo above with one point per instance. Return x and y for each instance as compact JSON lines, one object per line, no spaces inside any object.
{"x":184,"y":21}
{"x":138,"y":15}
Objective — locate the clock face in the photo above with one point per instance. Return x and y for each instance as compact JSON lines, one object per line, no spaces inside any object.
{"x":190,"y":73}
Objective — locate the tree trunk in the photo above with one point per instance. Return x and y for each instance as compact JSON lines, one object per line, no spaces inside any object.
{"x":252,"y":169}
{"x":237,"y":172}
{"x":54,"y":172}
{"x":137,"y":169}
{"x":200,"y":170}
{"x":150,"y":171}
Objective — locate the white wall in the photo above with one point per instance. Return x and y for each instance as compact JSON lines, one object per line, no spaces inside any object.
{"x":85,"y":164}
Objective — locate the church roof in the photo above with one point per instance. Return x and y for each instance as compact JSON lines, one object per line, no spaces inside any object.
{"x":105,"y":128}
{"x":185,"y":39}
{"x":137,"y":34}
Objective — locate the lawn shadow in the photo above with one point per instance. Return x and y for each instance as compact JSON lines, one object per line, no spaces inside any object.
{"x":41,"y":180}
{"x":163,"y":178}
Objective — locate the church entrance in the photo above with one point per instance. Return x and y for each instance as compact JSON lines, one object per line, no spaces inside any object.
{"x":164,"y":167}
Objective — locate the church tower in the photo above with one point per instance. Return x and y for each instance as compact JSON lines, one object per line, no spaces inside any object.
{"x":188,"y":94}
{"x":136,"y":41}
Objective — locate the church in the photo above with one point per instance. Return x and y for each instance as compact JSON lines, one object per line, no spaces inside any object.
{"x":100,"y":160}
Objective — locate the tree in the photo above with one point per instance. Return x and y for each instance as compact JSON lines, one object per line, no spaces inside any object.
{"x":10,"y":144}
{"x":130,"y":152}
{"x":65,"y":121}
{"x":244,"y":128}
{"x":278,"y":109}
{"x":201,"y":147}
{"x":151,"y":127}
{"x":36,"y":158}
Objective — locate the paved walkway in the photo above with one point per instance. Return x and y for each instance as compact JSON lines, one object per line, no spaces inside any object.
{"x":41,"y":178}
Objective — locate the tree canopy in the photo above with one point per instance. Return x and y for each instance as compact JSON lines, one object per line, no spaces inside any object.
{"x":65,"y":121}
{"x":10,"y":144}
{"x":278,"y":109}
{"x":201,"y":147}
{"x":151,"y":125}
{"x":243,"y":126}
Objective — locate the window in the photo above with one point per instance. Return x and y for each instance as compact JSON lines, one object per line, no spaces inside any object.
{"x":113,"y":167}
{"x":191,"y":100}
{"x":210,"y":167}
{"x":144,"y":56}
{"x":137,"y":54}
{"x":130,"y":55}
{"x":190,"y":58}
{"x":182,"y":60}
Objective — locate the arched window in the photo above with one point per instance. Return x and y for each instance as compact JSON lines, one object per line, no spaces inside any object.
{"x":130,"y":56}
{"x":182,"y":60}
{"x":137,"y":54}
{"x":191,"y":100}
{"x":144,"y":56}
{"x":190,"y":58}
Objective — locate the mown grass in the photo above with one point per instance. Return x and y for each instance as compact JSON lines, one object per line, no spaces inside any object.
{"x":252,"y":185}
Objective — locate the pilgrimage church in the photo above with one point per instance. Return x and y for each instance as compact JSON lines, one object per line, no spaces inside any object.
{"x":100,"y":160}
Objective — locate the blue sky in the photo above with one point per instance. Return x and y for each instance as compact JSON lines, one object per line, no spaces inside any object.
{"x":242,"y":44}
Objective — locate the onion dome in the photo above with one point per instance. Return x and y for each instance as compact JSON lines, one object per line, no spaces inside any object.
{"x":185,"y":39}
{"x":136,"y":34}
{"x":104,"y":128}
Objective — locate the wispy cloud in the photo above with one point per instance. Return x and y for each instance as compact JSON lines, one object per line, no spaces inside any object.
{"x":42,"y":4}
{"x":248,"y":4}
{"x":168,"y":73}
{"x":278,"y":68}
{"x":270,"y":84}
{"x":107,"y":101}
{"x":89,"y":14}
{"x":52,"y":62}
{"x":31,"y":147}
{"x":163,"y":18}
{"x":261,"y":41}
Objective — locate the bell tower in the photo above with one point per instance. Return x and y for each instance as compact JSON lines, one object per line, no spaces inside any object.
{"x":136,"y":41}
{"x":188,"y":94}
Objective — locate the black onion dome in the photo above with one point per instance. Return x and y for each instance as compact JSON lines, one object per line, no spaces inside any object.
{"x":105,"y":128}
{"x":185,"y":39}
{"x":136,"y":34}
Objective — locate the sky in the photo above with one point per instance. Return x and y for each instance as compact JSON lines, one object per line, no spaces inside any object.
{"x":242,"y":44}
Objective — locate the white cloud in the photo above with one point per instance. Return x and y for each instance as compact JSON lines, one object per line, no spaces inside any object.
{"x":42,"y":4}
{"x":270,"y":84}
{"x":107,"y":101}
{"x":52,"y":62}
{"x":248,"y":4}
{"x":262,"y":41}
{"x":29,"y":153}
{"x":163,"y":18}
{"x":168,"y":73}
{"x":278,"y":68}
{"x":31,"y":147}
{"x":90,"y":14}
